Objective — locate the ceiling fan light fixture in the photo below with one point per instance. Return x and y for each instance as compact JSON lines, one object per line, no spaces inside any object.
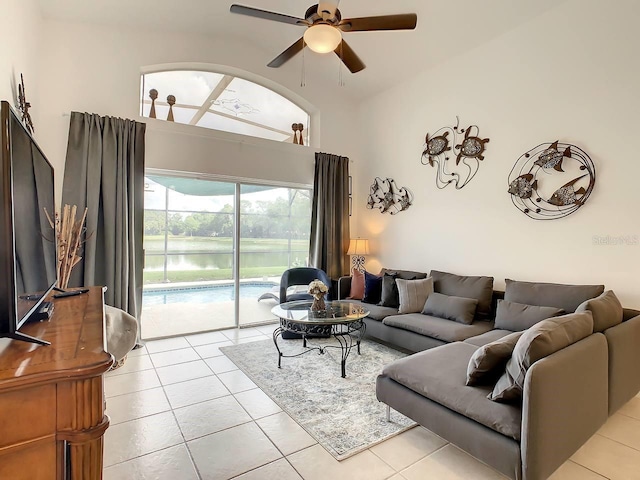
{"x":322,"y":38}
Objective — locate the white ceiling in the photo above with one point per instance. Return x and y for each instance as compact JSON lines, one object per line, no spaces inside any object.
{"x":445,"y":28}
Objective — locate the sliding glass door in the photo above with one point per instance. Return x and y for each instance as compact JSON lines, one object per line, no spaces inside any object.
{"x":215,"y":251}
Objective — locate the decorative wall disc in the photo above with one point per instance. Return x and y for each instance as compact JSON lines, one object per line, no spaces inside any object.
{"x":387,"y":197}
{"x":469,"y":151}
{"x":552,"y":180}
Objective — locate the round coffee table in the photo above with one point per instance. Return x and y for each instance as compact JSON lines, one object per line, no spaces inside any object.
{"x":341,"y":320}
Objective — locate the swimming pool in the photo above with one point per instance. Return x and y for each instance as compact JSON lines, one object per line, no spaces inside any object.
{"x":205,"y":294}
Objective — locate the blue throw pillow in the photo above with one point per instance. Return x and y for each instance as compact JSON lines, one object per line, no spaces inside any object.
{"x":372,"y":288}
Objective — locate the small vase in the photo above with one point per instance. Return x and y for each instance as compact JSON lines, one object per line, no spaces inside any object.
{"x":318,"y":303}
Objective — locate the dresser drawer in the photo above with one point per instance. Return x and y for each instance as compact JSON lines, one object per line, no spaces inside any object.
{"x":27,"y":414}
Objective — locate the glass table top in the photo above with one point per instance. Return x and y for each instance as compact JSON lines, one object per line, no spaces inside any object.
{"x":337,"y":311}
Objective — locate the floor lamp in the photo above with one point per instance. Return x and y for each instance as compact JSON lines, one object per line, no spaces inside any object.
{"x":358,"y":248}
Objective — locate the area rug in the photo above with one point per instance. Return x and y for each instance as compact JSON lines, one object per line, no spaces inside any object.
{"x":342,"y":414}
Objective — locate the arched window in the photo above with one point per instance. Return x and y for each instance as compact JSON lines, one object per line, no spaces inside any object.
{"x":223,"y":102}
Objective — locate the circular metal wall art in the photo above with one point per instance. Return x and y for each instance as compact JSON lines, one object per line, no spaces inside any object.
{"x":552,"y":180}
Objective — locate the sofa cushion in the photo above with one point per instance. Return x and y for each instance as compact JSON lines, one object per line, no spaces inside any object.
{"x":439,"y":374}
{"x":438,"y":328}
{"x":488,"y":362}
{"x":566,"y":297}
{"x":488,"y":337}
{"x":389,"y":296}
{"x":404,"y":274}
{"x":539,"y":341}
{"x":357,"y":285}
{"x":480,"y":288}
{"x":376,"y":312}
{"x":606,"y":309}
{"x":517,"y":317}
{"x":449,"y":307}
{"x":413,"y":294}
{"x":372,"y":288}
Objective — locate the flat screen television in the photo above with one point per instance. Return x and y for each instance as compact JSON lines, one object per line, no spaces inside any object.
{"x":28,"y":254}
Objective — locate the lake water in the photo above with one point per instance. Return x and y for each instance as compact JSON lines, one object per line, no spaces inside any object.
{"x":214,"y":261}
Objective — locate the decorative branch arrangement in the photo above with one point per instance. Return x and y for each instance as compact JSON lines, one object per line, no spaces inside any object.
{"x":552,"y":180}
{"x":386,"y":196}
{"x":69,"y":232}
{"x":469,"y":150}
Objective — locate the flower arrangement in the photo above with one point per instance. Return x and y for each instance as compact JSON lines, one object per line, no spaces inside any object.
{"x":318,"y":290}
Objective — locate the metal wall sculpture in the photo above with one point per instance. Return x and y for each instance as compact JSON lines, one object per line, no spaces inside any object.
{"x":387,"y":197}
{"x":469,"y":150}
{"x":552,"y":180}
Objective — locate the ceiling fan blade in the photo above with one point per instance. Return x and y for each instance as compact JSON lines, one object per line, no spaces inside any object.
{"x":288,"y":54}
{"x":405,"y":21}
{"x":265,"y":15}
{"x":349,"y":57}
{"x":328,"y":8}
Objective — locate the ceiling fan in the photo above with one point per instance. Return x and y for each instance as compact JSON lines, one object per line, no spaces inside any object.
{"x":325,"y":26}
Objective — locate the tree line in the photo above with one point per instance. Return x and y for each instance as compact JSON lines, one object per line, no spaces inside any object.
{"x":278,"y":218}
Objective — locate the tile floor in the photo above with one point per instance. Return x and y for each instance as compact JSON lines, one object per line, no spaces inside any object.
{"x":180,"y":410}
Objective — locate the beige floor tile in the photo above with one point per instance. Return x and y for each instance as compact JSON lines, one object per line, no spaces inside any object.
{"x":136,"y":405}
{"x":622,"y":429}
{"x":236,"y":381}
{"x":450,"y":463}
{"x":268,"y":329}
{"x":212,"y":349}
{"x":572,"y":471}
{"x":174,"y":357}
{"x":408,"y":447}
{"x":285,"y":433}
{"x":221,"y":364}
{"x":206,"y":338}
{"x":211,"y":416}
{"x":397,"y":476}
{"x":183,"y":372}
{"x":138,"y":351}
{"x":130,"y":382}
{"x":251,"y":449}
{"x":132,"y":364}
{"x":315,"y":463}
{"x":169,"y":464}
{"x":238,"y":333}
{"x":631,"y":408}
{"x":278,"y":470}
{"x":129,"y":440}
{"x":257,"y":338}
{"x":609,"y":458}
{"x":167,"y":344}
{"x":195,"y":391}
{"x":257,"y":403}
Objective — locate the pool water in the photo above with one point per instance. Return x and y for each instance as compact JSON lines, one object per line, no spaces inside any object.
{"x":208,"y":294}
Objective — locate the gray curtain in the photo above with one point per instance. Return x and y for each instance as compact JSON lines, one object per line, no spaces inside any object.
{"x":330,"y":215}
{"x":104,"y":172}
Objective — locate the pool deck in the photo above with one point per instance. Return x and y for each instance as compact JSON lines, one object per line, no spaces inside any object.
{"x":173,"y":319}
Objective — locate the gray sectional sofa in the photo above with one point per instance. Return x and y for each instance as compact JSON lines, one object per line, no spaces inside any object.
{"x":566,"y":397}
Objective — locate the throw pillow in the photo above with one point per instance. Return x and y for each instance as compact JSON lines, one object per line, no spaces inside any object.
{"x":541,"y":340}
{"x":480,"y":288}
{"x":413,"y":294}
{"x":357,"y":285}
{"x":459,"y":309}
{"x":372,"y":288}
{"x":518,"y":316}
{"x":566,"y":297}
{"x":488,"y":362}
{"x":606,"y":309}
{"x":389,"y":296}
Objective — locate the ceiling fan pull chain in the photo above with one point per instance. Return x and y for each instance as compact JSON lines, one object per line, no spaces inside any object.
{"x":303,"y":80}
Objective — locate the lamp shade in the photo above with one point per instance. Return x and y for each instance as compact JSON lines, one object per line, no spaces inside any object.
{"x":322,"y":38}
{"x":358,"y":246}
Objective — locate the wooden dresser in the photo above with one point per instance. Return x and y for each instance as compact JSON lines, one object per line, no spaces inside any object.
{"x":51,"y":397}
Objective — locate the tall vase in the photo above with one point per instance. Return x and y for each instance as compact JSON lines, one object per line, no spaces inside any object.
{"x":318,"y":303}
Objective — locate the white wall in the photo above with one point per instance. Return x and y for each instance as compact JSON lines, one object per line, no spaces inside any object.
{"x":19,"y":41}
{"x":571,"y":74}
{"x":97,"y":69}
